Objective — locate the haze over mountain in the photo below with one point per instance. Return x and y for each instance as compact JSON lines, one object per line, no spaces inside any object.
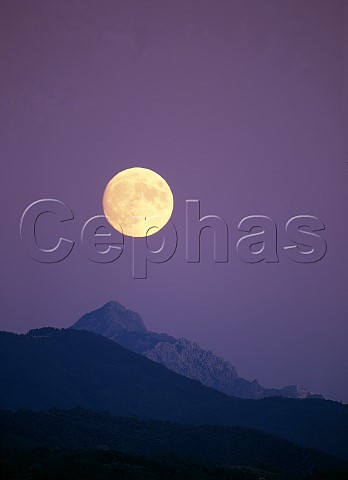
{"x":67,"y":368}
{"x":182,"y":356}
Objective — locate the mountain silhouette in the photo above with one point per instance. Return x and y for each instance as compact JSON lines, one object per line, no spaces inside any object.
{"x":218,"y":445}
{"x":182,"y":356}
{"x":67,"y":368}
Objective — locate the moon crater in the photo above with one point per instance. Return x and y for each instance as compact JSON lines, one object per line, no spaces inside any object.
{"x":136,"y":200}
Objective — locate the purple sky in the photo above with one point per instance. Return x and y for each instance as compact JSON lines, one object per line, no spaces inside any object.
{"x":240,"y":104}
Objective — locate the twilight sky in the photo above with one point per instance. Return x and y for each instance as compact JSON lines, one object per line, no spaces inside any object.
{"x":240,"y":104}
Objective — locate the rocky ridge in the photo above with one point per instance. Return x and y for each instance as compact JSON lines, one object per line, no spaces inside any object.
{"x":182,"y":356}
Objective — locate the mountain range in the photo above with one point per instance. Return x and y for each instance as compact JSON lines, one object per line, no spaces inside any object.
{"x":182,"y":356}
{"x":67,"y":368}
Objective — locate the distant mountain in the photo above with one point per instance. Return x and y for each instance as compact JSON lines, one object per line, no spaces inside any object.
{"x":123,"y":326}
{"x":112,"y":320}
{"x":67,"y":368}
{"x":182,"y":356}
{"x":188,"y":359}
{"x":208,"y":444}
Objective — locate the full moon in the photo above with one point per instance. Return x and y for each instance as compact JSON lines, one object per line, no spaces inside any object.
{"x":138,"y":202}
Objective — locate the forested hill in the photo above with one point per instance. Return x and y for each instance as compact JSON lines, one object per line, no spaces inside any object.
{"x":216,"y":445}
{"x":68,"y":368}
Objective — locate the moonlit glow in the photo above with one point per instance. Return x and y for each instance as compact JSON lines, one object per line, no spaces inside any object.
{"x":138,"y":202}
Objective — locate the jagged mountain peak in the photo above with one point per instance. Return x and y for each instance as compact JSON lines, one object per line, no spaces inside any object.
{"x":189,"y":359}
{"x":111,"y":320}
{"x":181,"y":355}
